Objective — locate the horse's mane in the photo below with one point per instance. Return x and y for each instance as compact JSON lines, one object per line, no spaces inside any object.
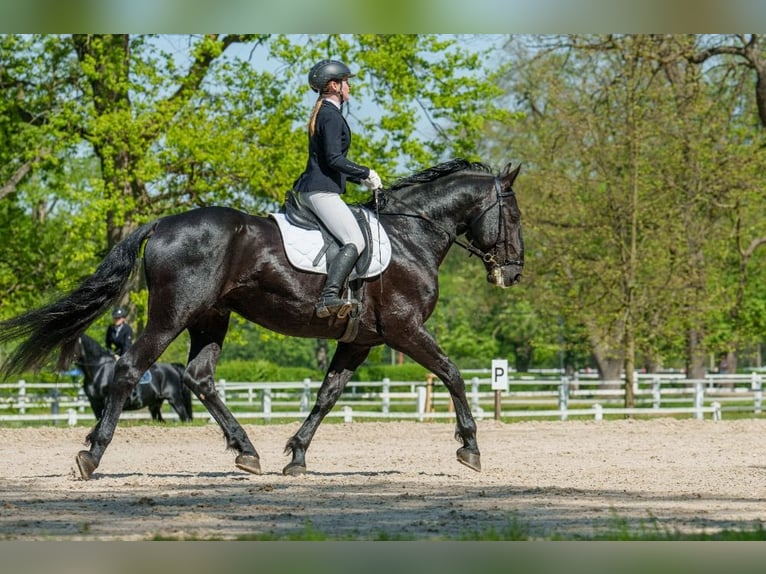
{"x":93,"y":347}
{"x":430,"y":174}
{"x":438,"y":171}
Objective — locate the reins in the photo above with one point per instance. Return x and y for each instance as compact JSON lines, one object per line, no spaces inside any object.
{"x":487,"y":257}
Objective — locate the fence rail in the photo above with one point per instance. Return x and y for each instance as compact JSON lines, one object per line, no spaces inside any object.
{"x":560,"y":398}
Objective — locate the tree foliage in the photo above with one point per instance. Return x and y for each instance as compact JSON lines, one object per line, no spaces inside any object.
{"x":641,"y":184}
{"x":642,"y":171}
{"x":101,"y":133}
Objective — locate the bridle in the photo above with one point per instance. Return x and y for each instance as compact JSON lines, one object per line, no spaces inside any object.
{"x":490,"y":257}
{"x":98,"y":364}
{"x":503,"y":233}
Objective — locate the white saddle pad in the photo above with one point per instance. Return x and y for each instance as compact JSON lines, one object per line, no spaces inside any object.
{"x":303,"y":245}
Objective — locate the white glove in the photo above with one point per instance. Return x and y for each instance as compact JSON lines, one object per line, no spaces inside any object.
{"x":373,"y":181}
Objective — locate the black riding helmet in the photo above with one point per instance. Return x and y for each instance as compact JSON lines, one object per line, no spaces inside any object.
{"x":326,"y":70}
{"x":119,"y":312}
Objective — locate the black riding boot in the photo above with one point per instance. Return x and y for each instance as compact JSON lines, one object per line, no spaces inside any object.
{"x":330,"y":302}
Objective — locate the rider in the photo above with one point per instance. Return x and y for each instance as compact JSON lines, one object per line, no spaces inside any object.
{"x":119,"y":335}
{"x":324,"y":179}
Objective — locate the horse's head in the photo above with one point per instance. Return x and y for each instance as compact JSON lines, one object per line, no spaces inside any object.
{"x":83,"y":351}
{"x":458,"y":197}
{"x":496,"y":231}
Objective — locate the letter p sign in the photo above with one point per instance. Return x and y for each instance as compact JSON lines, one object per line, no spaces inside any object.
{"x":500,"y":375}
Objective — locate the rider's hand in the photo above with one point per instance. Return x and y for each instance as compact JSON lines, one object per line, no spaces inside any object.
{"x":373,"y":181}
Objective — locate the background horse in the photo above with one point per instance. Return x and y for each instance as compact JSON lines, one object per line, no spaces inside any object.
{"x":204,"y":264}
{"x":165,"y":382}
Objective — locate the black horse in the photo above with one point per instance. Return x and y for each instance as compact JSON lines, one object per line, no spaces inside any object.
{"x":163,"y":381}
{"x":204,"y":264}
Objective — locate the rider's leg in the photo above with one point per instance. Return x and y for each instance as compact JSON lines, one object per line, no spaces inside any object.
{"x":330,"y":301}
{"x":339,"y":220}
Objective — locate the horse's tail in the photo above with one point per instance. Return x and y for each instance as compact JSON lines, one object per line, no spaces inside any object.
{"x":61,"y":322}
{"x":186,"y":394}
{"x":187,"y":397}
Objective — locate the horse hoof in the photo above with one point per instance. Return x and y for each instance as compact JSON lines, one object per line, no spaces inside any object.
{"x":86,"y":463}
{"x":471,"y":459}
{"x":249,"y":463}
{"x":294,"y":469}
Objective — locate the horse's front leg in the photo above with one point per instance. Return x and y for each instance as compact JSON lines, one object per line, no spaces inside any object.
{"x":125,"y":379}
{"x":422,"y":348}
{"x":346,"y":359}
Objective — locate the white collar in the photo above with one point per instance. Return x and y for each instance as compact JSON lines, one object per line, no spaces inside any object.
{"x":333,"y":102}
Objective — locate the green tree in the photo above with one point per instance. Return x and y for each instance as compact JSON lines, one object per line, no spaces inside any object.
{"x":104,"y":132}
{"x":632,"y":150}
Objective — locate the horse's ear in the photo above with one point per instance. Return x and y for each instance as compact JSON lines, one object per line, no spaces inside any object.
{"x":509,"y":175}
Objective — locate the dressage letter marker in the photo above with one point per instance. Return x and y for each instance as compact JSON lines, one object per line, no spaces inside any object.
{"x":500,"y":375}
{"x":499,"y":382}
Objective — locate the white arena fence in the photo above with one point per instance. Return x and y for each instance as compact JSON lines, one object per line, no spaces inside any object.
{"x":559,"y":397}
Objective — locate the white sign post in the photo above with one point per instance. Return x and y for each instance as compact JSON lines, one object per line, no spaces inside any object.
{"x":499,"y":382}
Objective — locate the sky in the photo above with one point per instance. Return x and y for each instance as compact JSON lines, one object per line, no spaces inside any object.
{"x":358,"y":106}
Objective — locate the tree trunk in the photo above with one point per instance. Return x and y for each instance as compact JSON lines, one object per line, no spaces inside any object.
{"x":321,"y":355}
{"x":523,"y":357}
{"x":609,"y":367}
{"x":695,"y":355}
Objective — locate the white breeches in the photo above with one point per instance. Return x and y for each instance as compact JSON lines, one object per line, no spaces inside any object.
{"x":336,"y":215}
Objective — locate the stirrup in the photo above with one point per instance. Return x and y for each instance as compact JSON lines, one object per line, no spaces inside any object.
{"x":345,"y":309}
{"x":339,"y":307}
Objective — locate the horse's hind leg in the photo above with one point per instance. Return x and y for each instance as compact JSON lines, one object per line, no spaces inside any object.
{"x":127,"y":373}
{"x":199,"y":378}
{"x":156,"y":411}
{"x":345,"y":361}
{"x":179,"y":406}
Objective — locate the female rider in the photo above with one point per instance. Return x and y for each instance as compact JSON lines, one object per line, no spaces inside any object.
{"x":324,"y":179}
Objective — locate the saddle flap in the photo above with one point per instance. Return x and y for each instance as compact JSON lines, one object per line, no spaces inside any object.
{"x":303,"y":246}
{"x":299,"y":215}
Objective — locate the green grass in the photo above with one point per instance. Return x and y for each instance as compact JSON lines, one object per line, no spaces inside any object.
{"x":618,"y":529}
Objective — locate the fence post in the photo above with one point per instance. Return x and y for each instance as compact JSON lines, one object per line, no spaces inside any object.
{"x":757,"y":386}
{"x":656,"y":392}
{"x":82,"y":400}
{"x":421,"y":402}
{"x":55,"y":405}
{"x":429,"y":392}
{"x":305,"y":396}
{"x":222,"y":390}
{"x":266,"y":403}
{"x":598,"y":412}
{"x":386,"y":395}
{"x":72,"y":420}
{"x":699,"y":399}
{"x":564,"y":397}
{"x":348,"y":414}
{"x":22,"y":397}
{"x":475,"y":395}
{"x":716,"y":411}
